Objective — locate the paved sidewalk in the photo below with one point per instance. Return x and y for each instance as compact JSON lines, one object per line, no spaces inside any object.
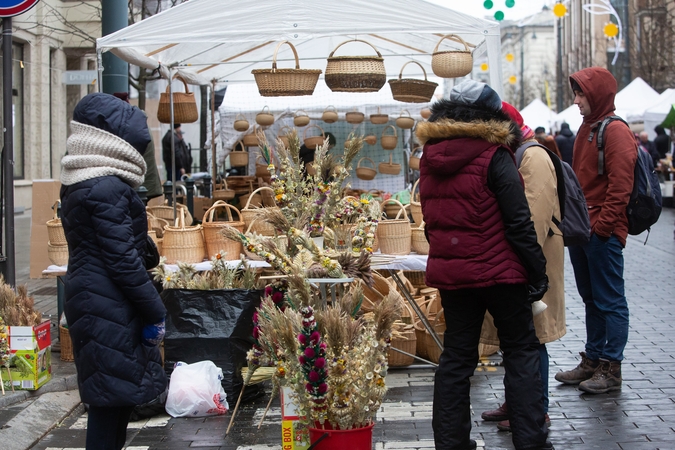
{"x":640,"y":416}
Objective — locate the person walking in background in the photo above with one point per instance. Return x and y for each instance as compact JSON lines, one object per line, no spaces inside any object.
{"x":598,"y":265}
{"x":115,"y":316}
{"x":541,"y":190}
{"x":540,"y":133}
{"x":565,"y":142}
{"x":661,"y":142}
{"x":648,"y":146}
{"x":183,"y":157}
{"x":484,"y":256}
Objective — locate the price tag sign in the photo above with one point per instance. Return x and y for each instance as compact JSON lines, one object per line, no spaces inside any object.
{"x":11,"y":8}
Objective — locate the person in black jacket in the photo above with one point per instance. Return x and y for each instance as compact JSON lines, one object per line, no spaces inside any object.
{"x":661,"y":142}
{"x":183,"y":157}
{"x":565,"y":142}
{"x":115,"y":316}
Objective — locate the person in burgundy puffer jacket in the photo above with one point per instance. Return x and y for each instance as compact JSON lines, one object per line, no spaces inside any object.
{"x":483,"y":256}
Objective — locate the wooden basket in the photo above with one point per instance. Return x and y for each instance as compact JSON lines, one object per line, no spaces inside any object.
{"x":184,"y":106}
{"x":452,"y":63}
{"x":415,"y":157}
{"x":239,"y":158}
{"x":300,"y":120}
{"x":240,"y":124}
{"x":389,"y":168}
{"x":355,"y":73}
{"x":222,"y":192}
{"x":248,"y":215}
{"x":407,"y":343}
{"x":276,"y":82}
{"x":418,"y":240}
{"x":312,"y":141}
{"x":264,"y":118}
{"x":415,"y":205}
{"x":330,"y":114}
{"x":55,"y":228}
{"x":66,"y":344}
{"x":166,"y":212}
{"x":183,"y":243}
{"x":213,"y":236}
{"x":251,"y":139}
{"x":58,"y":254}
{"x":395,"y":235}
{"x":411,"y":90}
{"x":405,"y":122}
{"x":354,"y":117}
{"x":365,"y":173}
{"x":389,"y":141}
{"x":379,"y":118}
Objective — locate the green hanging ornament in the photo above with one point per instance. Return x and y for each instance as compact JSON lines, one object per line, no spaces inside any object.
{"x":510,"y":3}
{"x":499,"y":16}
{"x":488,"y":4}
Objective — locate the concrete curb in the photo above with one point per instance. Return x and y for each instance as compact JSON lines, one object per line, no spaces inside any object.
{"x":59,"y":384}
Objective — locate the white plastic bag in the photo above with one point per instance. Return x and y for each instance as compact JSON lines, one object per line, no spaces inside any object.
{"x":195,"y":390}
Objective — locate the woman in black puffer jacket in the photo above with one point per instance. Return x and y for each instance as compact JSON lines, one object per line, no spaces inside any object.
{"x":115,"y":315}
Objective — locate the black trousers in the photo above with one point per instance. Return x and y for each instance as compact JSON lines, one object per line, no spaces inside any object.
{"x":107,"y":427}
{"x":464,"y":311}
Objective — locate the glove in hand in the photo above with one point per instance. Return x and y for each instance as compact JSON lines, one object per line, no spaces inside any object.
{"x":152,"y":335}
{"x":537,"y":290}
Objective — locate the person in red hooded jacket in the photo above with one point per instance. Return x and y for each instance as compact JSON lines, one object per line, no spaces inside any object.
{"x":598,"y":265}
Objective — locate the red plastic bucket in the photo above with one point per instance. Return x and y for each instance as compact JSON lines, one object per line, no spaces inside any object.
{"x":354,"y":439}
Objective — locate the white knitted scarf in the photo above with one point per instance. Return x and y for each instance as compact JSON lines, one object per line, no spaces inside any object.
{"x":94,"y":153}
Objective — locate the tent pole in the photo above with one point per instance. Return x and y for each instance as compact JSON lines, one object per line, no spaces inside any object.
{"x":173,"y":146}
{"x":214,"y":170}
{"x":99,"y":67}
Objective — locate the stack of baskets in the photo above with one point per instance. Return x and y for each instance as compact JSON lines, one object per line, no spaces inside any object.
{"x":57,"y":247}
{"x":213,"y":237}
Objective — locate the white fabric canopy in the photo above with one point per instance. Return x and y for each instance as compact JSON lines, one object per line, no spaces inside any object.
{"x":632,"y":101}
{"x":537,"y":114}
{"x":224,"y":40}
{"x":656,"y":114}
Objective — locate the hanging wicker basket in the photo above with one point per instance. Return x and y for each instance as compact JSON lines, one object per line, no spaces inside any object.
{"x":389,"y":141}
{"x":379,"y":118}
{"x":365,"y":173}
{"x":354,"y":117}
{"x":182,"y":242}
{"x":264,"y":118}
{"x":300,"y":119}
{"x":55,"y":228}
{"x":184,"y":106}
{"x":415,"y":205}
{"x":276,"y":82}
{"x":415,"y":157}
{"x":412,"y":90}
{"x":330,"y":114}
{"x":251,"y":139}
{"x":452,"y":63}
{"x":261,"y":167}
{"x":249,"y":213}
{"x":240,"y":123}
{"x":283,"y":135}
{"x":394,"y":235}
{"x":238,"y":158}
{"x":312,"y":141}
{"x":405,"y":122}
{"x":213,"y":236}
{"x":418,"y":241}
{"x":355,"y":73}
{"x":389,"y":168}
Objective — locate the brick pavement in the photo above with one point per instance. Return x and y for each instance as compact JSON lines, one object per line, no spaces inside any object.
{"x":640,"y":416}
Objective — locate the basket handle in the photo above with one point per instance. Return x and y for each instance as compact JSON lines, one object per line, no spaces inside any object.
{"x":220,"y":204}
{"x":405,"y":111}
{"x":400,"y":74}
{"x":405,"y":214}
{"x":55,"y":207}
{"x":379,"y":55}
{"x":285,"y":127}
{"x":262,"y":111}
{"x":421,"y":227}
{"x":302,"y":111}
{"x":412,"y":191}
{"x":295,"y":53}
{"x":180,"y":218}
{"x":455,"y":38}
{"x":358,"y":164}
{"x":260,"y":189}
{"x":392,"y":127}
{"x":243,"y":146}
{"x":178,"y":77}
{"x":330,"y":108}
{"x":240,"y":115}
{"x":304,"y":133}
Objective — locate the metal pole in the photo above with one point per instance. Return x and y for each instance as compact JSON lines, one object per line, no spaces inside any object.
{"x":8,"y":151}
{"x":214,"y":170}
{"x":522,"y":68}
{"x":114,"y":17}
{"x":559,"y":71}
{"x":173,"y":147}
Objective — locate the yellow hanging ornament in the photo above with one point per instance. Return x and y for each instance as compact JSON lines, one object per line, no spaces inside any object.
{"x":559,"y":10}
{"x":611,"y":30}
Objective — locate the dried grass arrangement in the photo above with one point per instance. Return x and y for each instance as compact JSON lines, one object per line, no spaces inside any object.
{"x":17,"y":309}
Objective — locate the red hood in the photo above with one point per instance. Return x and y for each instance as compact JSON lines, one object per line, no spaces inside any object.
{"x":599,"y":86}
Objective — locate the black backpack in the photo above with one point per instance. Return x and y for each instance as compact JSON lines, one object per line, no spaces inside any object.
{"x":575,"y":224}
{"x":644,"y":206}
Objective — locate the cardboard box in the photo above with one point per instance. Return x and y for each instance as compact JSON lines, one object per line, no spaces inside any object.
{"x":31,"y":349}
{"x":45,"y":194}
{"x":294,"y":436}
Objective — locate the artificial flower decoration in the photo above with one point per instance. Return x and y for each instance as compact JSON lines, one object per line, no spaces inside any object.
{"x":612,"y":31}
{"x":510,"y":57}
{"x":513,"y":79}
{"x":559,"y":10}
{"x":484,"y":67}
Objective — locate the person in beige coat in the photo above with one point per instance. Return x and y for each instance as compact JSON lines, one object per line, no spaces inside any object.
{"x":540,"y":182}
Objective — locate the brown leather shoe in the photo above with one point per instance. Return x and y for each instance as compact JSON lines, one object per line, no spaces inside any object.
{"x":582,"y":372}
{"x":496,"y":415}
{"x":505,"y":425}
{"x":606,"y":378}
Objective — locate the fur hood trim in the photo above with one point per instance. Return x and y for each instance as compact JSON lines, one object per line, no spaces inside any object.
{"x":502,"y":132}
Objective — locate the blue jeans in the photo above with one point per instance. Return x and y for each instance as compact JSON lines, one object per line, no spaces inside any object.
{"x":598,"y":270}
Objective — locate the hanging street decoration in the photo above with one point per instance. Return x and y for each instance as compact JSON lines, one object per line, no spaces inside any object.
{"x":498,"y":15}
{"x":484,"y":67}
{"x":509,"y":57}
{"x":559,"y":10}
{"x":513,"y":79}
{"x":613,"y":32}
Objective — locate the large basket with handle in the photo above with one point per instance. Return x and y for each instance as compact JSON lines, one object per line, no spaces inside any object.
{"x":312,"y":141}
{"x":213,"y":236}
{"x":166,"y":212}
{"x":55,"y":228}
{"x":412,"y":90}
{"x":182,"y":242}
{"x":394,"y":235}
{"x":355,"y":73}
{"x":249,"y":213}
{"x":363,"y":172}
{"x":277,"y":82}
{"x":389,"y":168}
{"x":238,"y":156}
{"x":452,"y":63}
{"x":222,"y":192}
{"x":58,"y":254}
{"x":405,"y":340}
{"x":184,"y":106}
{"x":418,"y":240}
{"x":389,"y":141}
{"x":415,"y":158}
{"x":438,"y":325}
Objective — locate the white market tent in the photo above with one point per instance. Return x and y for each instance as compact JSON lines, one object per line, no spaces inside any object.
{"x":537,"y":114}
{"x":570,"y":115}
{"x":656,"y":114}
{"x":632,"y":101}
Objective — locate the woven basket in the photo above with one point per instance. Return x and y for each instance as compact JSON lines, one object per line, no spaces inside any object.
{"x":66,"y":345}
{"x":411,"y":90}
{"x":379,"y":118}
{"x":239,"y":158}
{"x":222,"y":192}
{"x":438,"y":324}
{"x":261,"y":167}
{"x":405,"y":122}
{"x":407,"y":343}
{"x":365,"y":173}
{"x":330,"y":114}
{"x":371,"y":139}
{"x":282,"y":135}
{"x":213,"y":236}
{"x":415,"y":205}
{"x":389,"y":141}
{"x":374,"y":294}
{"x":249,"y":213}
{"x":183,"y":243}
{"x":264,"y":118}
{"x":58,"y":254}
{"x":391,"y":209}
{"x":166,"y":212}
{"x":157,"y":225}
{"x":286,"y":82}
{"x":240,"y":125}
{"x":354,"y":117}
{"x":395,"y":235}
{"x":184,"y":106}
{"x":420,"y":330}
{"x":55,"y":228}
{"x":300,"y":120}
{"x":355,"y":73}
{"x":414,"y":160}
{"x":452,"y":63}
{"x":251,"y":139}
{"x":312,"y":141}
{"x":389,"y":168}
{"x":425,"y":113}
{"x":418,"y":241}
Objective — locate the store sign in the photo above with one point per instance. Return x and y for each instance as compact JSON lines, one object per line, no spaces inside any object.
{"x":10,"y":8}
{"x":79,"y":76}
